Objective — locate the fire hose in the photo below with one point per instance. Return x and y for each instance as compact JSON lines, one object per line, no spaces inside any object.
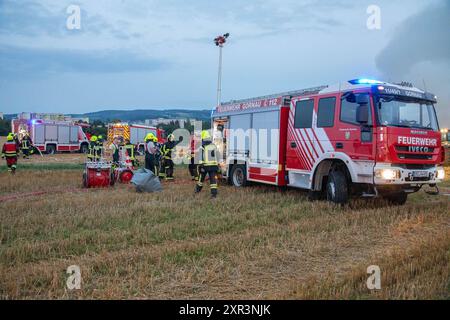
{"x":37,"y":150}
{"x":22,"y":195}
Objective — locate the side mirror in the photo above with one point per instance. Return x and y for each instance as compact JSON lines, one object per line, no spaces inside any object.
{"x":362,"y":113}
{"x":362,"y":98}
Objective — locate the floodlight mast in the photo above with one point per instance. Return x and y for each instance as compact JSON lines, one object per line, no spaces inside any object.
{"x":220,"y":41}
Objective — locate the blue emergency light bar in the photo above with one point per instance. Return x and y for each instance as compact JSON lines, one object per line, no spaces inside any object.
{"x":365,"y":81}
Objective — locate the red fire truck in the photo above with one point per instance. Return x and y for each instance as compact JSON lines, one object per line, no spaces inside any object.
{"x":135,"y":133}
{"x":52,"y":136}
{"x":362,"y":137}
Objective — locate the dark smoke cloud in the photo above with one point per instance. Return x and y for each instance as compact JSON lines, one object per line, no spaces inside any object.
{"x":422,"y":37}
{"x":419,"y":52}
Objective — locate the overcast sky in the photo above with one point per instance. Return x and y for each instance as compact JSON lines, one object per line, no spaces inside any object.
{"x":159,"y":54}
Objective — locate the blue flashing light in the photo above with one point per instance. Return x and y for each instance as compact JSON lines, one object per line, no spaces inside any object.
{"x":365,"y":81}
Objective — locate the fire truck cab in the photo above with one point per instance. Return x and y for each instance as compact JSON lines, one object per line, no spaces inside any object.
{"x":362,"y":137}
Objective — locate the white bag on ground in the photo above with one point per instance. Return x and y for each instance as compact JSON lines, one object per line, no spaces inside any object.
{"x":146,"y":181}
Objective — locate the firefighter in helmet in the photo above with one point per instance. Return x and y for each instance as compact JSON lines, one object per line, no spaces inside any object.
{"x":129,"y":149}
{"x":9,"y":151}
{"x":98,"y":148}
{"x":91,"y":151}
{"x":208,"y":164}
{"x":26,"y":145}
{"x":166,"y":153}
{"x":151,"y":153}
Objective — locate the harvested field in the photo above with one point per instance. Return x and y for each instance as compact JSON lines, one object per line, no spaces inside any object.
{"x":252,"y":243}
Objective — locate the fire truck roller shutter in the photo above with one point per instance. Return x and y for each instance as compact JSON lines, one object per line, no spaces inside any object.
{"x":134,"y":135}
{"x":74,"y":134}
{"x":239,"y":142}
{"x":63,"y":134}
{"x":265,"y":139}
{"x":51,"y":133}
{"x":39,"y":134}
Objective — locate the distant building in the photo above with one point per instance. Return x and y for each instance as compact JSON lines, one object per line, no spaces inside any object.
{"x":155,"y":122}
{"x":1,"y":115}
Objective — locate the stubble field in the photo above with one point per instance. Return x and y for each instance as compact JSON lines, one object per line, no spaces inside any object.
{"x":253,"y":243}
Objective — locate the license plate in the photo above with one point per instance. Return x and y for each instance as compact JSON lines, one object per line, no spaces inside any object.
{"x":420,"y":174}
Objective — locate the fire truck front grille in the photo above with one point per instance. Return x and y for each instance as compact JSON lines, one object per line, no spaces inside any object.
{"x":414,"y":166}
{"x":415,"y":156}
{"x":406,"y":149}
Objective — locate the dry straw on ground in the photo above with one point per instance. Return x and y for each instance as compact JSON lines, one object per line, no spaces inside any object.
{"x":252,"y":243}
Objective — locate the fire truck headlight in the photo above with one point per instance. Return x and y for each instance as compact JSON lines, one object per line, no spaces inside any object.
{"x":440,"y":174}
{"x":387,"y":174}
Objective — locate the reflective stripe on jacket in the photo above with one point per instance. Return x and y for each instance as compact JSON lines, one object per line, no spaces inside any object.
{"x":209,"y":155}
{"x":9,"y":149}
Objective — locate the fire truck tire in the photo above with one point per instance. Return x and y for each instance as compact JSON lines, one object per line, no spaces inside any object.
{"x":239,"y":176}
{"x":398,"y":199}
{"x":50,"y":149}
{"x":337,"y":187}
{"x":84,"y":148}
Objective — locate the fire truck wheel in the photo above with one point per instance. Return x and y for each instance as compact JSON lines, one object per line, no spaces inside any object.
{"x":337,"y":187}
{"x":84,"y":148}
{"x":397,"y":199}
{"x":239,"y":176}
{"x":51,"y":149}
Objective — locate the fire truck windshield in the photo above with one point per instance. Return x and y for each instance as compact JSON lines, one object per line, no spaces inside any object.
{"x":416,"y":114}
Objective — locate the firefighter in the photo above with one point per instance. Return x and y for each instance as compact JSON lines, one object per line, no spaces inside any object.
{"x":98,"y":149}
{"x":26,"y":145}
{"x":9,"y":151}
{"x":91,"y":151}
{"x":129,"y":148}
{"x":166,"y":153}
{"x":208,"y":164}
{"x":193,"y":170}
{"x":115,"y":147}
{"x":151,"y":153}
{"x":16,"y":139}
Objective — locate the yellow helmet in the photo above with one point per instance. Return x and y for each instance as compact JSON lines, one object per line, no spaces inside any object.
{"x":94,"y":139}
{"x":150,"y":137}
{"x":205,"y":135}
{"x":9,"y":138}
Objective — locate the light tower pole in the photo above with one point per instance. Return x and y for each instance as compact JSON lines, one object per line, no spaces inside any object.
{"x":220,"y":41}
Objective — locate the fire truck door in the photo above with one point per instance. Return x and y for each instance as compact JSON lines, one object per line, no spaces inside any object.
{"x":300,"y":143}
{"x":354,"y":136}
{"x":324,"y":125}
